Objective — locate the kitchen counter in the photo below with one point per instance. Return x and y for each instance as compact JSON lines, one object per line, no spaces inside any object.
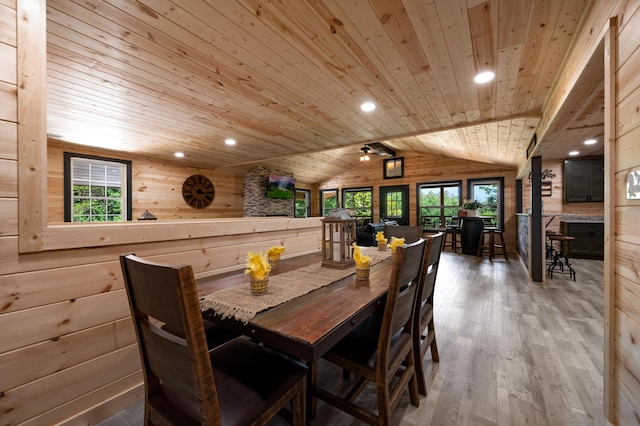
{"x":588,"y":240}
{"x":571,"y":218}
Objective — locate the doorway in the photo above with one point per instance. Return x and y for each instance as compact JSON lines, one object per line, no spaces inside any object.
{"x":394,"y":203}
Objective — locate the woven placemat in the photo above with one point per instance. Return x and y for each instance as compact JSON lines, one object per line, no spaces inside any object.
{"x":240,"y":304}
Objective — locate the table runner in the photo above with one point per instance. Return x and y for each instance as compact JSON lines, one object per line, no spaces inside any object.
{"x":240,"y":304}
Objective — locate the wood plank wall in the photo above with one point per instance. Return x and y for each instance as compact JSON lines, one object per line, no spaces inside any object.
{"x":157,"y":187}
{"x":622,"y":402}
{"x":627,"y":219}
{"x":429,"y":169}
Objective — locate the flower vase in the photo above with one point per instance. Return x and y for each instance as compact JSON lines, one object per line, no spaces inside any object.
{"x":274,"y":261}
{"x":259,"y":286}
{"x":473,"y":213}
{"x":382,"y":246}
{"x":362,"y":274}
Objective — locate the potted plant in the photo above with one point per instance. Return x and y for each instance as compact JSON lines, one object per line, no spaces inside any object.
{"x":470,"y":208}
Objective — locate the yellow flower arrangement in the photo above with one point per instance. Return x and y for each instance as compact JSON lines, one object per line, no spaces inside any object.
{"x":257,"y":266}
{"x":380,"y":237}
{"x":395,"y":242}
{"x":362,"y":261}
{"x":276,"y":251}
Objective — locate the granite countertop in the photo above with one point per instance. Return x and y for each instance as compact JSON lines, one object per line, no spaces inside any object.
{"x":573,"y":218}
{"x":576,"y":218}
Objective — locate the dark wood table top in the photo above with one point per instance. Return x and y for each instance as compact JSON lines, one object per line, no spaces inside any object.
{"x":308,"y":326}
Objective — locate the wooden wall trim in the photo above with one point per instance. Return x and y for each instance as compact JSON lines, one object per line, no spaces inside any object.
{"x":610,"y":123}
{"x":56,"y":237}
{"x":32,"y":125}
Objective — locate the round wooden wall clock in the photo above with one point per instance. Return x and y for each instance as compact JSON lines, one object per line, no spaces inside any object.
{"x":198,"y":191}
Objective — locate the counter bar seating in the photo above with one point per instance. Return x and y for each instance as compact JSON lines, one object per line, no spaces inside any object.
{"x":489,"y":245}
{"x":380,"y":350}
{"x":455,"y":239}
{"x":560,"y":262}
{"x":182,"y":377}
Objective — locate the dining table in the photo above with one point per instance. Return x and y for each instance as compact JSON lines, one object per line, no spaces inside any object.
{"x":306,"y":326}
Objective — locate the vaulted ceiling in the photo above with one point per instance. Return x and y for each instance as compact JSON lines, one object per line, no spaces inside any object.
{"x":285,"y":79}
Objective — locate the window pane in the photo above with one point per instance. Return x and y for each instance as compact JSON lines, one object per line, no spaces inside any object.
{"x":98,"y":192}
{"x":438,"y":203}
{"x":114,"y":192}
{"x":360,"y":201}
{"x":80,"y":190}
{"x":114,"y":207}
{"x":394,"y":205}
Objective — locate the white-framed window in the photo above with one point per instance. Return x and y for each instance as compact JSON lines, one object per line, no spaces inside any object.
{"x":96,"y":189}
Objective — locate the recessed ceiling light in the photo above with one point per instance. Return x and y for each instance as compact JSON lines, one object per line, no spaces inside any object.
{"x":230,"y":141}
{"x":590,"y":141}
{"x":179,"y":154}
{"x":368,"y":106}
{"x":574,"y":153}
{"x":484,"y":77}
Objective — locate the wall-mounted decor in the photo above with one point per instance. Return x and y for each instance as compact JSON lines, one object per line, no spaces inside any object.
{"x":546,"y":174}
{"x":633,"y":184}
{"x":545,"y":188}
{"x":198,"y":191}
{"x":393,"y":168}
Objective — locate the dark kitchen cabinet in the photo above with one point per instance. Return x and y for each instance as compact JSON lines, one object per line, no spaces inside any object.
{"x":584,"y":180}
{"x":589,"y":240}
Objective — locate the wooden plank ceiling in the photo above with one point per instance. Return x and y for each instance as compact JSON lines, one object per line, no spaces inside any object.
{"x":285,"y":79}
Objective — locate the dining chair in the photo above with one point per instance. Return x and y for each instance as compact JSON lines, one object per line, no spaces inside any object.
{"x":379,"y":350}
{"x":215,"y":334}
{"x":411,"y":234}
{"x":424,"y":333}
{"x":237,"y":383}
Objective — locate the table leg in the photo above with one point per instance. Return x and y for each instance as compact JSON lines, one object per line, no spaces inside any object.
{"x":311,"y":385}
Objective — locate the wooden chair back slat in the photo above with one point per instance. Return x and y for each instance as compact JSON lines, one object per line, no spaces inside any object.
{"x":411,"y":234}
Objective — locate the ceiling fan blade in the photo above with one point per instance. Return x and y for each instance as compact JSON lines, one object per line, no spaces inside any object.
{"x":381,"y":149}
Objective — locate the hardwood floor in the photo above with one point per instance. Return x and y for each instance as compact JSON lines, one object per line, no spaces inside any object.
{"x":512,"y":352}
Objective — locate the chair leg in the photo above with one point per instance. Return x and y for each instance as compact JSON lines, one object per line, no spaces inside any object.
{"x":504,"y":246}
{"x":298,"y":405}
{"x":420,"y":377}
{"x":430,"y":340}
{"x":492,"y":243}
{"x":434,"y":346}
{"x":480,"y":245}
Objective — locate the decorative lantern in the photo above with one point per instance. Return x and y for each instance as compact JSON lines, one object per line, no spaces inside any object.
{"x":338,"y":233}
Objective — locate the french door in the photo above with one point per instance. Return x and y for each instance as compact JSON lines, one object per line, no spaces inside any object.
{"x":394,"y":203}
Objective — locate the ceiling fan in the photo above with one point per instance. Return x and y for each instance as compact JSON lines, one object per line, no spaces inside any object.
{"x":376,"y":148}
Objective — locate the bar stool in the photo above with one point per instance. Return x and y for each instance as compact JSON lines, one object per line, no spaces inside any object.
{"x":455,"y":241}
{"x":550,"y":252}
{"x":489,"y":246}
{"x":560,"y":260}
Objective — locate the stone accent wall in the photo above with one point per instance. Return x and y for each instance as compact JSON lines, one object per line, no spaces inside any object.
{"x":523,"y":238}
{"x":255,"y":198}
